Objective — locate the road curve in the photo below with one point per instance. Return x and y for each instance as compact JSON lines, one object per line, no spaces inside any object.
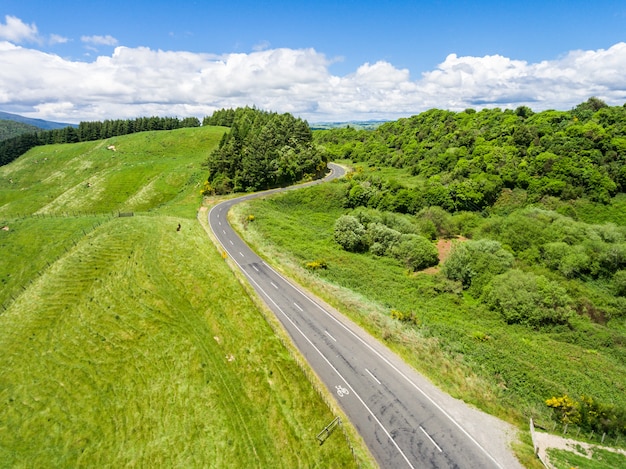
{"x":399,"y":415}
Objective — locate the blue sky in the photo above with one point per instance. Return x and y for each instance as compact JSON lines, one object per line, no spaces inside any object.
{"x":323,"y":60}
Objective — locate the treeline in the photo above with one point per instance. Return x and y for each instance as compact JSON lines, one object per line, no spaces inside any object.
{"x":10,"y":128}
{"x":15,"y":147}
{"x":262,"y":150}
{"x":464,"y":160}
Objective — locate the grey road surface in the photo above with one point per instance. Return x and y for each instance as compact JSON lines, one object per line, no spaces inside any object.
{"x":402,"y":418}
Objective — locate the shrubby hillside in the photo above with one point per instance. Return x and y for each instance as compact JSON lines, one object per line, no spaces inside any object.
{"x":527,"y":312}
{"x":464,"y":160}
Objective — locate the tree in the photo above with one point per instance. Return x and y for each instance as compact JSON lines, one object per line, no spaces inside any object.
{"x":415,"y":252}
{"x":474,"y":263}
{"x":526,"y":298}
{"x":349,"y":233}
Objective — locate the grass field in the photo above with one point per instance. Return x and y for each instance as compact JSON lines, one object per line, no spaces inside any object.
{"x":599,"y":459}
{"x":466,"y":349}
{"x":129,"y":343}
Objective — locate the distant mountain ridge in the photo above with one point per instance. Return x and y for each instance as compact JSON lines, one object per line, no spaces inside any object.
{"x":40,"y":123}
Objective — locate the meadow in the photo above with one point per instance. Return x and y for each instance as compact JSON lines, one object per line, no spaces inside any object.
{"x":127,"y":340}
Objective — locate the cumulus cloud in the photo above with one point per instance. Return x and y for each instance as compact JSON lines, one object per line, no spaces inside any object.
{"x":15,"y":30}
{"x":140,"y":81}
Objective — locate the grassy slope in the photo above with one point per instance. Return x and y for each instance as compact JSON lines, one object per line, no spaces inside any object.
{"x":506,"y":370}
{"x":126,"y":342}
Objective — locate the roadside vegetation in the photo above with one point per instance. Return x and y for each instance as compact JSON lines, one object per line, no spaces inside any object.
{"x":529,"y":307}
{"x":127,"y":340}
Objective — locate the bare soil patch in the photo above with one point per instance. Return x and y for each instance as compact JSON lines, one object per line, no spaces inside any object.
{"x":444,"y":247}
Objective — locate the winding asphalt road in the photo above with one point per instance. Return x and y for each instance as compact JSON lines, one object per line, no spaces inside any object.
{"x":389,"y":404}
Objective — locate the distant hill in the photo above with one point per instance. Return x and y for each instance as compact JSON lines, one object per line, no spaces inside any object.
{"x":10,"y":128}
{"x":359,"y":125}
{"x":39,"y":123}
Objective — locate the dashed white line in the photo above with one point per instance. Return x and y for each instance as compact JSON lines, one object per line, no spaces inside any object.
{"x":431,"y":440}
{"x":328,"y":334}
{"x":241,"y":254}
{"x":373,"y":377}
{"x":298,"y":306}
{"x":274,"y":285}
{"x":255,"y":268}
{"x":231,"y":242}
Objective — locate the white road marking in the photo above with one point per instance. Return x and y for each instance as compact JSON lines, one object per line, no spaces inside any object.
{"x":224,"y":231}
{"x":274,"y":285}
{"x":431,"y":440}
{"x":374,"y":377}
{"x":255,"y":268}
{"x":298,"y":306}
{"x":328,"y":334}
{"x":241,"y":254}
{"x":231,"y":242}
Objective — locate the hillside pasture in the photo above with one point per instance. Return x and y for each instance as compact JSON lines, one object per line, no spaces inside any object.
{"x":128,"y":342}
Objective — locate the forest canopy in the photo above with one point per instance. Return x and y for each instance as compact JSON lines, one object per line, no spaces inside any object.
{"x":464,"y":161}
{"x":262,"y":150}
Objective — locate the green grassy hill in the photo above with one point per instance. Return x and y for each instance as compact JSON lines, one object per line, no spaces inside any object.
{"x":127,"y":342}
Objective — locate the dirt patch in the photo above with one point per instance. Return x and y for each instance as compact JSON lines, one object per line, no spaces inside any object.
{"x":444,"y":247}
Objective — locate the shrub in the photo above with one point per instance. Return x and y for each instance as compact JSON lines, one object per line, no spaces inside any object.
{"x":526,"y":298}
{"x":619,"y":283}
{"x":442,"y":220}
{"x":381,"y":238}
{"x":316,"y":265}
{"x":415,"y":251}
{"x":588,"y":414}
{"x":349,"y":233}
{"x":474,"y":263}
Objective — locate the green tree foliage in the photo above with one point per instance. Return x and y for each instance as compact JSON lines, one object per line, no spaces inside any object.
{"x":464,"y":160}
{"x":525,"y":298}
{"x":262,"y":150}
{"x":10,"y":129}
{"x":350,"y":234}
{"x":474,"y":263}
{"x":415,"y":252}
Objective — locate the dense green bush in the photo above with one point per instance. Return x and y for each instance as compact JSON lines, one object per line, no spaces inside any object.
{"x":474,"y":263}
{"x":415,"y":251}
{"x":381,"y":238}
{"x":350,"y":234}
{"x":525,"y":298}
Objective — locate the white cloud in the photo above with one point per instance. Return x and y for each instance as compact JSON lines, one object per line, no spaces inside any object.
{"x":57,"y":39}
{"x":15,"y":30}
{"x":100,"y":40}
{"x":140,"y":81}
